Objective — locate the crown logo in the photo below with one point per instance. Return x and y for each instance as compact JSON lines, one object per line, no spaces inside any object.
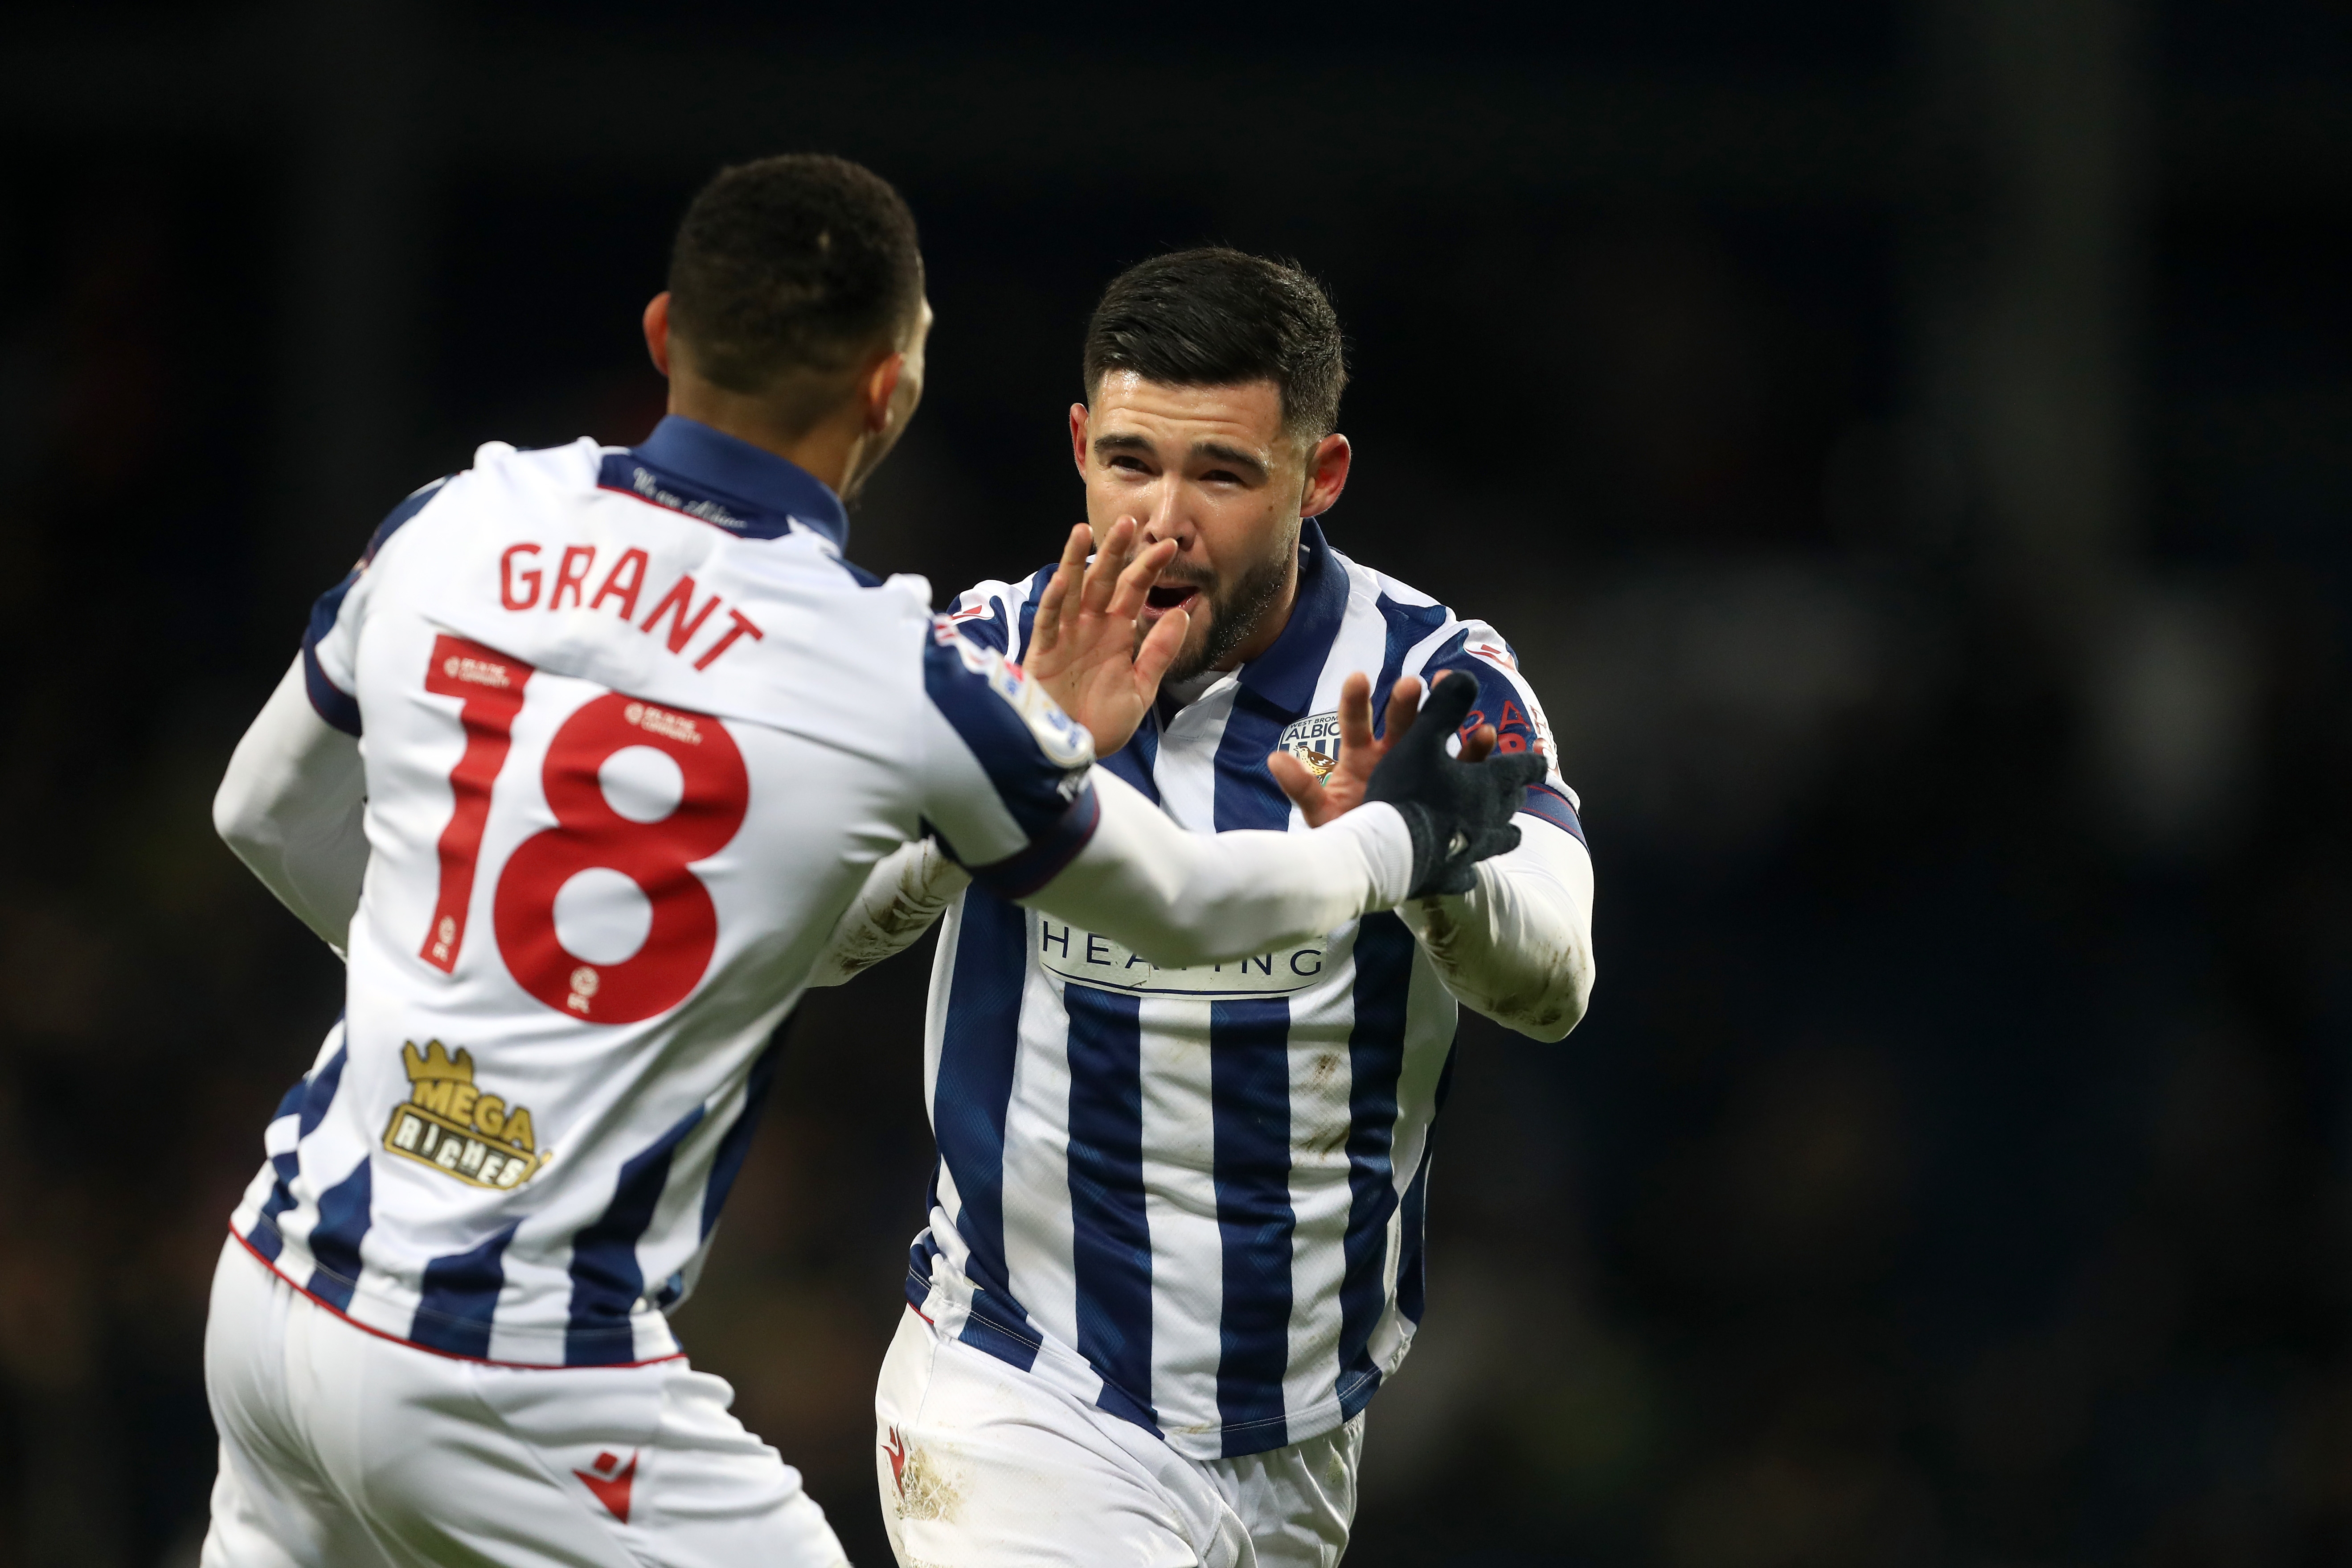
{"x":450,"y":1123}
{"x":434,"y":1063}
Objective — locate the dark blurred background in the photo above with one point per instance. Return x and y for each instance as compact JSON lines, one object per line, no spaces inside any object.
{"x":1909,"y":441}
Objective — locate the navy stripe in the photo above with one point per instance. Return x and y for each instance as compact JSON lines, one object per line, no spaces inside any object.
{"x":1135,"y":761}
{"x":988,"y":630}
{"x":319,"y":1093}
{"x":460,"y":1298}
{"x":1111,"y":1246}
{"x":978,"y":1043}
{"x":1409,"y":627}
{"x":1413,"y":1264}
{"x":1547,"y":804}
{"x":263,"y":1238}
{"x":307,"y":1101}
{"x":1249,"y":1097}
{"x":736,"y":1142}
{"x":333,"y":704}
{"x":1246,"y":794}
{"x":1383,"y":958}
{"x":337,"y":707}
{"x":1037,"y":582}
{"x":1020,"y":875}
{"x":344,"y":1215}
{"x":1029,"y":782}
{"x":607,"y":1281}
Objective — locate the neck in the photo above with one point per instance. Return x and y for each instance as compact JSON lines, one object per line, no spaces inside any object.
{"x":827,"y":450}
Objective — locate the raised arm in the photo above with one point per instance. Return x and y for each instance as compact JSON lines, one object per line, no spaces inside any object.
{"x":1179,"y":899}
{"x":291,"y":807}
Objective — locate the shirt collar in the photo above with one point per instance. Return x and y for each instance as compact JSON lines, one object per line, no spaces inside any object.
{"x":758,"y":494}
{"x":1288,"y":673}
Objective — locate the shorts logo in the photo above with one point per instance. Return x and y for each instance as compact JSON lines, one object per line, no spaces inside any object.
{"x":612,"y":1482}
{"x":1314,"y":740}
{"x":448,"y":1123}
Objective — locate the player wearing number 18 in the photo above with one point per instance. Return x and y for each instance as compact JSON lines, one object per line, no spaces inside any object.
{"x":582,"y":765}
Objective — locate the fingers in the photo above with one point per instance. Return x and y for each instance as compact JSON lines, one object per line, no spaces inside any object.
{"x":1404,"y":707}
{"x":1449,"y":701}
{"x":1304,"y":790}
{"x":1110,"y":560}
{"x":1059,"y":602}
{"x":1159,"y":650}
{"x":1127,"y":600}
{"x":1478,"y":743}
{"x":1356,"y":715}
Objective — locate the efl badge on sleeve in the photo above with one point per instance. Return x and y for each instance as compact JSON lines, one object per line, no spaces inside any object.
{"x":1314,"y":740}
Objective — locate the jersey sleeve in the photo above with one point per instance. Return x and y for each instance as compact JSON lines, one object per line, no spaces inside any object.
{"x":1507,"y":701}
{"x":999,"y":615}
{"x":330,"y":642}
{"x":1006,"y":773}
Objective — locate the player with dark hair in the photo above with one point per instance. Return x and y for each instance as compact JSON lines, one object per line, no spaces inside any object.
{"x":1175,"y":1232}
{"x":580,"y":766}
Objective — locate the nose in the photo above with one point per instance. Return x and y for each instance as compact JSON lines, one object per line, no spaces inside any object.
{"x":1166,"y":520}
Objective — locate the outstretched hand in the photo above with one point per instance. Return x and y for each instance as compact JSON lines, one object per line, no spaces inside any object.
{"x":1083,"y":648}
{"x":1342,"y":790}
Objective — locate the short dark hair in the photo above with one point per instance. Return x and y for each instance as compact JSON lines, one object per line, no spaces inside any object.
{"x":792,"y":264}
{"x":1216,"y":317}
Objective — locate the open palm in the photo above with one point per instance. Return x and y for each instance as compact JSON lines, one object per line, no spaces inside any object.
{"x":1082,"y":647}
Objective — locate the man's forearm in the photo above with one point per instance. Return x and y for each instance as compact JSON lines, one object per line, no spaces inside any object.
{"x":1519,"y":949}
{"x":1180,"y":898}
{"x":292,"y":807}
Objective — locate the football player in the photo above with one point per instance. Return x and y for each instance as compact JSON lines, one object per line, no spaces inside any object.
{"x":1175,"y":1234}
{"x":580,"y":767}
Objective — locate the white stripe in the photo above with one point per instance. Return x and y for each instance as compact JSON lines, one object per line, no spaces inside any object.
{"x":1039,"y":1228}
{"x":1179,"y":1199}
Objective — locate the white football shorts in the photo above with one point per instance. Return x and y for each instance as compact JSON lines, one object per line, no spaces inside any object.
{"x":983,"y":1466}
{"x":344,"y":1450}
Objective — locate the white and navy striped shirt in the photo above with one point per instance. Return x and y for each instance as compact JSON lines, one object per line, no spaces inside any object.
{"x":633,"y":734}
{"x":1194,"y":1197}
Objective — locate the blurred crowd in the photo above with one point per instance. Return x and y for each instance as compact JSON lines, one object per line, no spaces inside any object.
{"x":1954,"y":1165}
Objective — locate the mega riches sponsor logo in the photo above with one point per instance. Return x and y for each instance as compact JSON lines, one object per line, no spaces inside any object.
{"x":449,"y":1123}
{"x":1089,"y":959}
{"x":1314,"y":740}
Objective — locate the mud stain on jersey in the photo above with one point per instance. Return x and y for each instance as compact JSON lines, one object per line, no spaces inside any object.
{"x":927,"y":1489}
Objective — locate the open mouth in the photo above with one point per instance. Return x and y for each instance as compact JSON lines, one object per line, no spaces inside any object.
{"x":1168,"y":595}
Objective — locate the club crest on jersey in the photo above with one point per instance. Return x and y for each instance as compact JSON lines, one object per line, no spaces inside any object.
{"x":1314,"y":740}
{"x":448,"y":1123}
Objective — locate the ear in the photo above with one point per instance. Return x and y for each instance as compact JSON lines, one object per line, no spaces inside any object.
{"x":1327,"y":475}
{"x":1078,"y":436}
{"x":657,"y":330}
{"x":881,"y":388}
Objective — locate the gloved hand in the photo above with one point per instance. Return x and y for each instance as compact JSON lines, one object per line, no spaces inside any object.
{"x":1458,"y":813}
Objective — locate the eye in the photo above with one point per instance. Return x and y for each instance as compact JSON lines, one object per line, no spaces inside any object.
{"x":1130,"y":463}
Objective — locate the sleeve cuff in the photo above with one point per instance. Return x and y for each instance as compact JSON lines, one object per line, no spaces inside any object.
{"x":1019,"y":875}
{"x":335,"y":707}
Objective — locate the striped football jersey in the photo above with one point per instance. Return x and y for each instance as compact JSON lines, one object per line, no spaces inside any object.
{"x":633,"y":734}
{"x":1194,"y":1196}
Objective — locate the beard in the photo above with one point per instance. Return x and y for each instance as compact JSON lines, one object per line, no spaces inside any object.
{"x":1235,"y":612}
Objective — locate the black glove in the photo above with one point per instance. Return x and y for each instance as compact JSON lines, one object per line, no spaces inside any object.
{"x":1459,"y":813}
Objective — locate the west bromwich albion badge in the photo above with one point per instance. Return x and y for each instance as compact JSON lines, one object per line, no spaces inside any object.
{"x":1314,"y":740}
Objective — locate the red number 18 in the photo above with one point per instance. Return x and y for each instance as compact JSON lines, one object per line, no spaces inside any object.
{"x":589,"y":834}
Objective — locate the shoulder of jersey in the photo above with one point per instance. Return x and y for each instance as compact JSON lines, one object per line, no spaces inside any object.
{"x":1062,"y":738}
